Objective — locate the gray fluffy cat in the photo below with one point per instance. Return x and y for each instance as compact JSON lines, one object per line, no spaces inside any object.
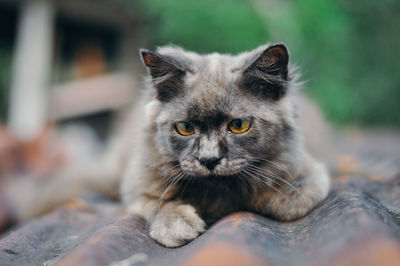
{"x":214,"y":134}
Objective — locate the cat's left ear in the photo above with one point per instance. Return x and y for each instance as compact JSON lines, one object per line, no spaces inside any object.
{"x":267,"y":74}
{"x":167,"y":75}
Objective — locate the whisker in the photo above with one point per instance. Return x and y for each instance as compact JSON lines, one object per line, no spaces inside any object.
{"x":187,"y":183}
{"x":277,"y":166}
{"x":257,"y":171}
{"x":254,"y":175}
{"x":244,"y":180}
{"x":175,"y":170}
{"x":175,"y":180}
{"x":275,"y":176}
{"x":169,"y":178}
{"x":264,"y":182}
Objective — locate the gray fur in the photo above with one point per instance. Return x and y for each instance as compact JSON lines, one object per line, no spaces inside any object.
{"x":265,"y":170}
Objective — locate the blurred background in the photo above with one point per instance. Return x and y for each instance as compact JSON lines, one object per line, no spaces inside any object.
{"x":348,"y":51}
{"x":76,"y":62}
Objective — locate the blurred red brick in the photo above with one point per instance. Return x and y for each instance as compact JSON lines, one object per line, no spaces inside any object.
{"x":223,"y":254}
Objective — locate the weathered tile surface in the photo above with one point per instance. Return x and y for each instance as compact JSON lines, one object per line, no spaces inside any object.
{"x":358,"y":224}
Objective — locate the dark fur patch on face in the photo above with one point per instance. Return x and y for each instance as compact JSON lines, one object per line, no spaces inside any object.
{"x":206,"y":118}
{"x":223,"y":146}
{"x":196,"y":144}
{"x":178,"y":144}
{"x":247,"y":141}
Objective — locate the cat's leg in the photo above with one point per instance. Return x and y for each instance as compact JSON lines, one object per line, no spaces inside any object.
{"x":172,"y":223}
{"x":309,"y":188}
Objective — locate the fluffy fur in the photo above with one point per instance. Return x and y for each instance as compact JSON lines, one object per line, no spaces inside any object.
{"x":265,"y":170}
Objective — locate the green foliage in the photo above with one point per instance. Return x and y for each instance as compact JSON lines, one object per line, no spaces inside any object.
{"x":5,"y":72}
{"x":347,"y":50}
{"x":375,"y":69}
{"x":207,"y":25}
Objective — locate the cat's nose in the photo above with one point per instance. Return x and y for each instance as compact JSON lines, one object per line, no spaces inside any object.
{"x":210,"y":163}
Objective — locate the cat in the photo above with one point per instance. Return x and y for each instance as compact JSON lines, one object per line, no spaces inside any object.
{"x":216,"y":134}
{"x":210,"y":135}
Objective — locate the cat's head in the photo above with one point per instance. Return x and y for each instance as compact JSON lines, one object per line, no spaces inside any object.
{"x":219,"y":113}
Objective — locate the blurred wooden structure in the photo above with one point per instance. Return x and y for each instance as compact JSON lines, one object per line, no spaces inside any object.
{"x":68,"y":45}
{"x":91,"y":95}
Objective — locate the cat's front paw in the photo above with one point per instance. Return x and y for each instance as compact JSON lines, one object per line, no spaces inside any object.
{"x":176,"y":224}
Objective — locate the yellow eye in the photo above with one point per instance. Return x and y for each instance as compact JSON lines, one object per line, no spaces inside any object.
{"x":184,"y":128}
{"x":239,"y":126}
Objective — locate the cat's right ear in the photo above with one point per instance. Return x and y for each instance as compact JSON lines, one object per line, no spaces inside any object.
{"x":267,"y":75}
{"x":166,"y":74}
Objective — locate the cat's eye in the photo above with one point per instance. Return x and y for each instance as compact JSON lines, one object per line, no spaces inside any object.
{"x":239,"y":126}
{"x":184,"y":128}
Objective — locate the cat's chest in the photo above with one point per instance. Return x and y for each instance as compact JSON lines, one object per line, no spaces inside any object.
{"x":216,"y":197}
